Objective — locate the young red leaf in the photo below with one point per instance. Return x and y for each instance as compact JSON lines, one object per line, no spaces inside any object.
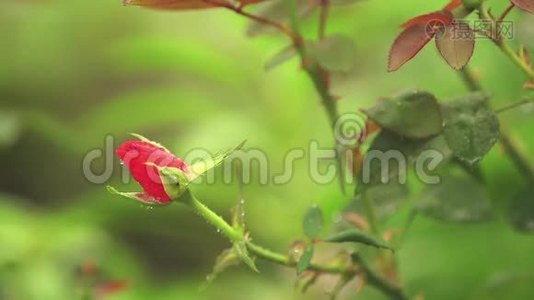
{"x":527,"y":5}
{"x":453,"y":4}
{"x":432,"y":20}
{"x":456,"y":44}
{"x":407,"y":45}
{"x":184,"y":4}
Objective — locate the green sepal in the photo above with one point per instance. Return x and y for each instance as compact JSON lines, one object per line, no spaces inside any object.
{"x":240,"y":248}
{"x":144,"y":139}
{"x":175,"y":181}
{"x":201,"y":167}
{"x":228,"y":258}
{"x":138,"y":196}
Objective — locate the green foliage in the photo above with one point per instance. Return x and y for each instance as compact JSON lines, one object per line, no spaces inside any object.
{"x":358,"y":237}
{"x":471,"y":127}
{"x":414,"y":114}
{"x":312,"y":224}
{"x":458,"y":199}
{"x":334,"y":53}
{"x":521,"y":210}
{"x":76,"y":71}
{"x":306,"y":259}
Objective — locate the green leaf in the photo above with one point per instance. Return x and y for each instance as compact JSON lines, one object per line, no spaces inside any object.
{"x":281,"y":57}
{"x":334,"y":53}
{"x":201,"y":167}
{"x":240,"y":249}
{"x":390,"y":156}
{"x":521,"y":211}
{"x":312,"y":223}
{"x":414,"y":114}
{"x":306,"y":259}
{"x":386,"y":198}
{"x":458,"y":199}
{"x":356,"y":236}
{"x":386,"y":166}
{"x":471,"y":128}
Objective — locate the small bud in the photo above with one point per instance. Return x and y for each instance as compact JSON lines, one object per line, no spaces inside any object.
{"x":161,"y":174}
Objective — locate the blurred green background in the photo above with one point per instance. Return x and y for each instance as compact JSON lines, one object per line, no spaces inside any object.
{"x":74,"y":72}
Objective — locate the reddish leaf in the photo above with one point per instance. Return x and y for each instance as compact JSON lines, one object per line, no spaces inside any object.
{"x":527,"y":5}
{"x":456,"y":44}
{"x":407,"y":45}
{"x":183,"y":4}
{"x":453,"y":4}
{"x":432,"y":20}
{"x":109,"y":288}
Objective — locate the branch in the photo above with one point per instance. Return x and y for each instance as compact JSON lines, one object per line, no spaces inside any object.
{"x":514,"y":105}
{"x":320,"y":79}
{"x":239,"y":10}
{"x":506,"y":12}
{"x":512,"y":150}
{"x":323,"y":17}
{"x":235,"y":235}
{"x":503,"y":46}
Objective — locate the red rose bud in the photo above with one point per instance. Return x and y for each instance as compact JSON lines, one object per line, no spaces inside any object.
{"x":155,"y":168}
{"x":453,"y":5}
